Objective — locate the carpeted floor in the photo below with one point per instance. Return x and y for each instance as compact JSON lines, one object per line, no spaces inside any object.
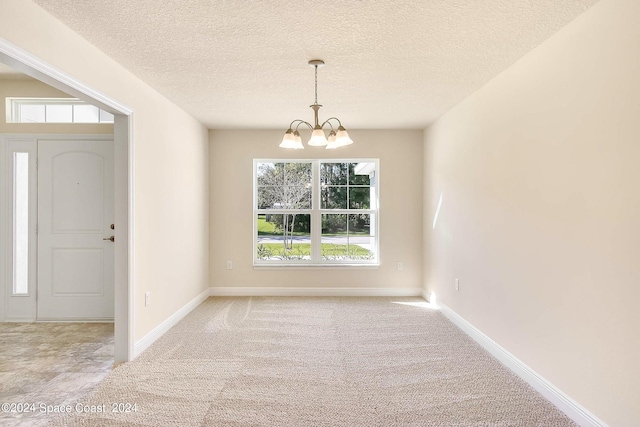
{"x":339,"y":362}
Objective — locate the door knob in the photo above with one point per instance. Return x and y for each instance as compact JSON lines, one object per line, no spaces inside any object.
{"x":112,"y":238}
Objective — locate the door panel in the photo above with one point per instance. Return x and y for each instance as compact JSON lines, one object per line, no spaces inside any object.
{"x":75,"y":211}
{"x":69,"y":280}
{"x":78,"y":193}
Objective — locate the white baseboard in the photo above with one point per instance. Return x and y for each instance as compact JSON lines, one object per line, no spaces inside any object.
{"x":160,"y":330}
{"x":566,"y":404}
{"x":314,"y":292}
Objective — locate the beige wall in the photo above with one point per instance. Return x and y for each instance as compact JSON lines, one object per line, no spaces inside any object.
{"x":35,"y":88}
{"x":170,"y":161}
{"x":400,"y":154}
{"x":541,"y":205}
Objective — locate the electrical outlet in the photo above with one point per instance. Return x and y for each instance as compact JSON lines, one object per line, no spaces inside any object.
{"x":400,"y":266}
{"x":229,"y":265}
{"x":147,"y":298}
{"x":457,"y":284}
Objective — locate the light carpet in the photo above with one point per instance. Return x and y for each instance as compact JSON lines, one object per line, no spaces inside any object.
{"x":297,"y":361}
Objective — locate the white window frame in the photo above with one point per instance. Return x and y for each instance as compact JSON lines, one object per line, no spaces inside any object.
{"x":13,"y":105}
{"x":316,"y":216}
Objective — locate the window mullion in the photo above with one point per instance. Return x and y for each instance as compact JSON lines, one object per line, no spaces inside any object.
{"x":316,"y":218}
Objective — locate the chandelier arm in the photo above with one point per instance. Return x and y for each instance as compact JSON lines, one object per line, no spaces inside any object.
{"x":300,"y":122}
{"x":329,"y":123}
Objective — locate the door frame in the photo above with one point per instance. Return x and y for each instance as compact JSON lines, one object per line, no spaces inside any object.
{"x":124,"y":175}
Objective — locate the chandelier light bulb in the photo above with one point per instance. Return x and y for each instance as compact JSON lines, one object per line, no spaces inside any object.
{"x":317,"y":138}
{"x":289,"y":140}
{"x":298,"y":141}
{"x":331,"y":140}
{"x":342,"y":138}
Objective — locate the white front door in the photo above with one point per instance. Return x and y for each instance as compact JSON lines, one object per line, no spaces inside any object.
{"x":75,"y":213}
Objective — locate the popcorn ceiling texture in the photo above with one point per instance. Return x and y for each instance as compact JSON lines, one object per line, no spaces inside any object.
{"x":243,"y":64}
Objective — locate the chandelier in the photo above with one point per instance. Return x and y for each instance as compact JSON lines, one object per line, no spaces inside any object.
{"x":338,"y":136}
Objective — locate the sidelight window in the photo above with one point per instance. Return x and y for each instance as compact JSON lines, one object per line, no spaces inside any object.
{"x":20,"y":223}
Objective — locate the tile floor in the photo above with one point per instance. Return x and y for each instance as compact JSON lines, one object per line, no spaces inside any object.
{"x":50,"y":364}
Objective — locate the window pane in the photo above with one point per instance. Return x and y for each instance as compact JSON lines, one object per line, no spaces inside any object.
{"x":335,"y":239}
{"x":284,"y":237}
{"x":297,"y":174}
{"x":31,"y":113}
{"x":86,"y":114}
{"x":270,"y":173}
{"x":59,"y":113}
{"x":359,"y":197}
{"x":284,"y":185}
{"x":361,"y":173}
{"x":20,"y":223}
{"x":333,"y":198}
{"x":106,"y":117}
{"x":270,"y":185}
{"x":333,"y":173}
{"x":347,"y":237}
{"x":296,"y":197}
{"x":361,"y":239}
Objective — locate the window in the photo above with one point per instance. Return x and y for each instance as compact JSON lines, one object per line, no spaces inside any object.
{"x":315,"y":212}
{"x":54,"y":110}
{"x":20,"y":223}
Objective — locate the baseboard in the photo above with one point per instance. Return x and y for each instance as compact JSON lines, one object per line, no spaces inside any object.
{"x":162,"y":328}
{"x":98,"y":320}
{"x":315,"y":292}
{"x":566,"y":404}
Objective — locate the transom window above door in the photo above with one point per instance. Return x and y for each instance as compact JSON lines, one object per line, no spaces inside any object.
{"x":316,"y":212}
{"x":54,"y":110}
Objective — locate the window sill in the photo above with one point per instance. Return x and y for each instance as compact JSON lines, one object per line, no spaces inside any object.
{"x":316,"y":266}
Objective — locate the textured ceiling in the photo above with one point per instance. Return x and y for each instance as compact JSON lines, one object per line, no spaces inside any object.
{"x":243,"y":64}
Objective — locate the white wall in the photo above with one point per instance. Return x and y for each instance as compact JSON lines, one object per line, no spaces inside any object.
{"x":400,"y":153}
{"x":539,"y":176}
{"x":170,"y":162}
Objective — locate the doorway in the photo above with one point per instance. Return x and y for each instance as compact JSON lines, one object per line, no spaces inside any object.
{"x":59,"y":214}
{"x":123,"y":245}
